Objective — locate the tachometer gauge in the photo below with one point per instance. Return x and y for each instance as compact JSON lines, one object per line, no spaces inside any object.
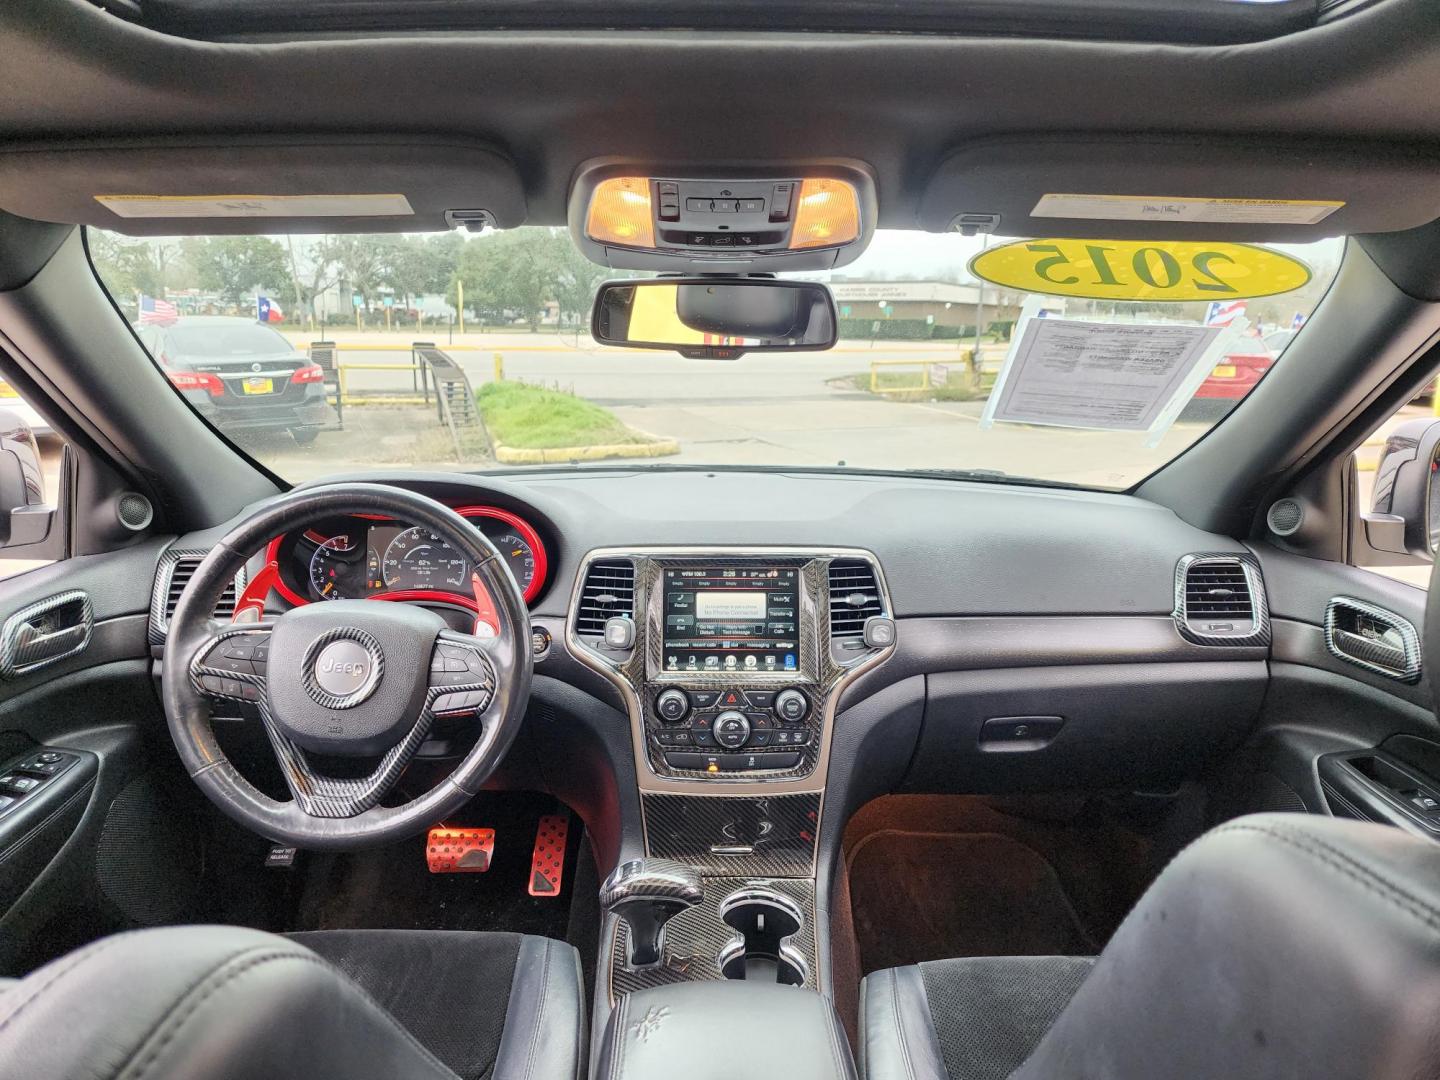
{"x":420,"y":559}
{"x":340,"y":568}
{"x":516,"y":551}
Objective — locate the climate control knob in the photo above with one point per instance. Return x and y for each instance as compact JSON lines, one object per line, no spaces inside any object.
{"x":673,"y":705}
{"x":791,"y":705}
{"x":731,"y":729}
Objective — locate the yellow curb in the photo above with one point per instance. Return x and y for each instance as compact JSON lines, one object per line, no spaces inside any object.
{"x":514,"y":455}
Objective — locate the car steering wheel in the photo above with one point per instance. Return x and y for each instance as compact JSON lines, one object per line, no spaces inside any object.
{"x":345,"y":679}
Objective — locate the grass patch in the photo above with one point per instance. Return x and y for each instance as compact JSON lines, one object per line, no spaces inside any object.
{"x":535,"y":418}
{"x":908,"y":383}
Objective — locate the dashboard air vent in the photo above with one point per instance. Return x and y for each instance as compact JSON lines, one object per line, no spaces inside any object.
{"x":180,"y":575}
{"x":854,"y":597}
{"x":608,"y":593}
{"x":1220,"y":600}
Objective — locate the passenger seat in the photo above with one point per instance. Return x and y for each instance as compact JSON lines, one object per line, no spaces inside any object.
{"x":1278,"y":945}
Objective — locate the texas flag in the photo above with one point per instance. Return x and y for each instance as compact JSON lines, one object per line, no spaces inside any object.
{"x":267,"y":310}
{"x":1224,"y":312}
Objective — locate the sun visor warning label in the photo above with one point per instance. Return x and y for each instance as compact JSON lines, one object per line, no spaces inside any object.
{"x":256,"y":206}
{"x":1165,"y":208}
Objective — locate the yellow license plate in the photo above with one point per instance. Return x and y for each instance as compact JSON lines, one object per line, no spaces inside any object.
{"x":1224,"y":371}
{"x":267,"y":386}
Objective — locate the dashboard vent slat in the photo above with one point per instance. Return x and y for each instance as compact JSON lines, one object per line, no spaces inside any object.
{"x":608,"y":593}
{"x":1220,"y":600}
{"x":854,"y":597}
{"x":180,"y":575}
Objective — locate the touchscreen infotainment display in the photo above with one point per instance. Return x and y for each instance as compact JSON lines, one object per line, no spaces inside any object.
{"x":738,"y":618}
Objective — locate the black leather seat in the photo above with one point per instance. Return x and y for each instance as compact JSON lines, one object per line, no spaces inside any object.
{"x":223,"y":1002}
{"x":1279,"y":945}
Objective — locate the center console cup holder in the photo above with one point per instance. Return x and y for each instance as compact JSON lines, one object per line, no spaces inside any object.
{"x":764,"y":920}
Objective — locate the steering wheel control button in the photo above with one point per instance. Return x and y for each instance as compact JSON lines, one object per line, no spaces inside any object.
{"x":673,"y":705}
{"x":731,"y":729}
{"x":619,"y":633}
{"x":879,"y":632}
{"x":791,"y":705}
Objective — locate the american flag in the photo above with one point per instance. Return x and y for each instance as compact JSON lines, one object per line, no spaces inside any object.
{"x":1224,"y":312}
{"x":157,"y":311}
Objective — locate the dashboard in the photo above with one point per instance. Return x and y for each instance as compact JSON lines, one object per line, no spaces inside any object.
{"x":363,"y":557}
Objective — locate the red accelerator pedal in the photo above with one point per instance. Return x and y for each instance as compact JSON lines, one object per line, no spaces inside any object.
{"x":547,"y":864}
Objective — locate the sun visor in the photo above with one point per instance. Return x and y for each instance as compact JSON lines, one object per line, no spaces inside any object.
{"x":1181,"y":189}
{"x":298,"y":185}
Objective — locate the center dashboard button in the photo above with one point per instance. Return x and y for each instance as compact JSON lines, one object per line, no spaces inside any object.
{"x":704,"y":699}
{"x":731,"y":699}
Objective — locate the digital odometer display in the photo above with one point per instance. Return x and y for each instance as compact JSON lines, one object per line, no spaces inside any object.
{"x":731,"y":619}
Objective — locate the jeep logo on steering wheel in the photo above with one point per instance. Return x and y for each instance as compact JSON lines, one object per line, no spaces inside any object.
{"x":345,"y":672}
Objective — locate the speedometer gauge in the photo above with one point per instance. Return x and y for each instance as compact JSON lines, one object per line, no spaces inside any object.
{"x":420,"y":559}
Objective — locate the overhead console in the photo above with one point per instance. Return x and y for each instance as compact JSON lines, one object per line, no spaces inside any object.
{"x":796,"y":216}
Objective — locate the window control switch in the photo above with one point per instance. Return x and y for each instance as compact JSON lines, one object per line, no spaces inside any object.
{"x":18,"y":785}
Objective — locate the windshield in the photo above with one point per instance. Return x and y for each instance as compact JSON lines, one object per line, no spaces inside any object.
{"x":462,"y":352}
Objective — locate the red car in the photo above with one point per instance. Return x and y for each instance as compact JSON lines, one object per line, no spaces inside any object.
{"x":1234,"y":377}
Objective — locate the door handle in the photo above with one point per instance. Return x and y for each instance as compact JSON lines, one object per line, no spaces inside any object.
{"x":45,"y":632}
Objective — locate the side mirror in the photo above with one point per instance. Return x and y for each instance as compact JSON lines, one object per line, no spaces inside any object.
{"x":715,"y":318}
{"x":1404,"y":514}
{"x":25,"y":518}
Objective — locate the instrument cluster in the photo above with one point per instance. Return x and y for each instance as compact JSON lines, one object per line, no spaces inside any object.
{"x":362,"y":557}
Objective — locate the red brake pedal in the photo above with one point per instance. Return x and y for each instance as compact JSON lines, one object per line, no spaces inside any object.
{"x":459,"y":851}
{"x":547,"y":864}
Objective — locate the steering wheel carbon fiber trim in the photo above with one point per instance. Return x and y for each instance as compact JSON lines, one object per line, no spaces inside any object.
{"x":484,"y":678}
{"x":325,"y":698}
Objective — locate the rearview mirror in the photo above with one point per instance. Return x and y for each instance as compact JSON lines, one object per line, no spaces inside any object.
{"x":718,"y":319}
{"x":1405,"y":507}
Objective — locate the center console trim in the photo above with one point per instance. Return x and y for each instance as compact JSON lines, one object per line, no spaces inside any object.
{"x":738,"y":786}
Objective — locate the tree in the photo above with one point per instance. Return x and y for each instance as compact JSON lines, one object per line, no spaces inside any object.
{"x":361,"y":262}
{"x":509,"y":273}
{"x":576,"y":280}
{"x":129,"y":266}
{"x":312,"y":271}
{"x":236,"y":267}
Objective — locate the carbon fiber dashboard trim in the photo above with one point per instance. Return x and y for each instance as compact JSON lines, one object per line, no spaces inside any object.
{"x":24,"y":647}
{"x":1354,"y":649}
{"x":768,"y":836}
{"x":695,"y":938}
{"x":637,"y":673}
{"x":164,"y":573}
{"x":1259,"y":604}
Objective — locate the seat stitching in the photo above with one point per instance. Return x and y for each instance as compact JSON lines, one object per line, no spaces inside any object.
{"x":840,"y":1071}
{"x":619,"y":1056}
{"x":540,"y":1012}
{"x":65,"y":969}
{"x":178,"y":1014}
{"x":899,"y":1024}
{"x":580,"y":1050}
{"x":1367,"y":878}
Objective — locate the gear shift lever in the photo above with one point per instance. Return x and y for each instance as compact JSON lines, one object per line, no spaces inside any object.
{"x":647,"y":894}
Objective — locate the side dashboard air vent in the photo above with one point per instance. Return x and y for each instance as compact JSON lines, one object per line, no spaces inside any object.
{"x":608,"y":593}
{"x":175,"y":571}
{"x":854,"y":597}
{"x":1220,"y":600}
